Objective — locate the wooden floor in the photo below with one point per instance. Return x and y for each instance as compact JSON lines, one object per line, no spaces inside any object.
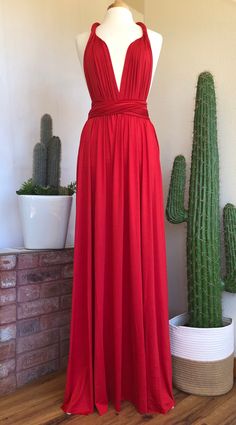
{"x":39,"y":403}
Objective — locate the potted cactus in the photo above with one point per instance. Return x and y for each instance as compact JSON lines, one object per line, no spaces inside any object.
{"x":202,"y":340}
{"x":44,"y":204}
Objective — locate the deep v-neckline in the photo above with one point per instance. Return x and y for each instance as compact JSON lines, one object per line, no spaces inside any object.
{"x":125,"y":63}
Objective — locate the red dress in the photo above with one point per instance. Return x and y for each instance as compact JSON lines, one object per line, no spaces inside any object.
{"x":119,"y":335}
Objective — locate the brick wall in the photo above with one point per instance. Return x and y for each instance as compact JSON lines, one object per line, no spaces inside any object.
{"x":35,"y":312}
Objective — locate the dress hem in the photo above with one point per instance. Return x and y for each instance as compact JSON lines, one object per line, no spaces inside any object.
{"x":104,"y":409}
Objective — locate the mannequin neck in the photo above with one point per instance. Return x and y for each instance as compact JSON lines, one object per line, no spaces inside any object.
{"x":118,"y":16}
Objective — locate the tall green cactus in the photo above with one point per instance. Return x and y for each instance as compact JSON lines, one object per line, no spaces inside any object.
{"x":203,"y":215}
{"x":47,"y":156}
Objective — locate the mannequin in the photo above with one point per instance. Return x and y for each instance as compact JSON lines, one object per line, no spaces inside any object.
{"x":118,"y":30}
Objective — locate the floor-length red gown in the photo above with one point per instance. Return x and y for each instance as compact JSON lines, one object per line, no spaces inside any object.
{"x":119,"y":337}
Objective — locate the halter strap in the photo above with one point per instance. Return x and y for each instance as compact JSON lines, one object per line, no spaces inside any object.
{"x":96,"y":23}
{"x":143,"y":25}
{"x":93,"y":27}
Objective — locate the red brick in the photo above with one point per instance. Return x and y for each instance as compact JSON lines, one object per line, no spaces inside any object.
{"x":7,"y":262}
{"x":36,"y":371}
{"x":7,"y":279}
{"x":27,"y":261}
{"x":38,"y":275}
{"x":64,"y":350}
{"x":7,"y":296}
{"x":7,"y":314}
{"x":37,"y":307}
{"x":56,"y":257}
{"x":33,"y":358}
{"x":65,"y":332}
{"x":8,"y":385}
{"x":8,"y":350}
{"x":7,"y":367}
{"x":28,"y":293}
{"x":55,"y":320}
{"x":38,"y":340}
{"x":64,"y":362}
{"x":66,"y":286}
{"x":28,"y":326}
{"x":67,"y":270}
{"x":7,"y":332}
{"x":66,"y":301}
{"x":50,"y":289}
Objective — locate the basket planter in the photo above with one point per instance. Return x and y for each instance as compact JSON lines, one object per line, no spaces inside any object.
{"x":44,"y":220}
{"x":202,"y":358}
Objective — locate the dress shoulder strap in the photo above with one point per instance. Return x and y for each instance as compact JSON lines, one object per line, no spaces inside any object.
{"x":93,"y":27}
{"x":92,"y":31}
{"x":144,"y":28}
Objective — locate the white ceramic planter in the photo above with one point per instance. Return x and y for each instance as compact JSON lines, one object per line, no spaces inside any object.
{"x":202,"y":358}
{"x":44,"y":220}
{"x":229,"y":310}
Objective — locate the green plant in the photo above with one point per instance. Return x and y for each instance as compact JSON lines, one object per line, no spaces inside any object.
{"x":203,"y":214}
{"x":46,"y":173}
{"x":31,"y":188}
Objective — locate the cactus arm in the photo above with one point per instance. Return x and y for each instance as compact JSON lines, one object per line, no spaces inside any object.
{"x":229,"y":222}
{"x":39,"y":164}
{"x":175,"y":211}
{"x":45,"y":129}
{"x":53,"y":162}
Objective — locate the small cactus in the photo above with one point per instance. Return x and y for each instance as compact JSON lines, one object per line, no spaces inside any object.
{"x":47,"y":156}
{"x":46,"y":173}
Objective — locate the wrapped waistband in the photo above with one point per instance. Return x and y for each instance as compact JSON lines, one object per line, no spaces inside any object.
{"x":124,"y":106}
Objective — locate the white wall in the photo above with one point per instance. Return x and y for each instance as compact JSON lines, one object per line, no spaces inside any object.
{"x":40,"y":72}
{"x":198,"y":35}
{"x":136,"y":4}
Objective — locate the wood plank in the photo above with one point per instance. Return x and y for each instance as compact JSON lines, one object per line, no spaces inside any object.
{"x":38,"y":403}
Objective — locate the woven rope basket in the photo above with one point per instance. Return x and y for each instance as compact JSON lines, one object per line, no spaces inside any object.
{"x":203,"y":378}
{"x":202,"y":358}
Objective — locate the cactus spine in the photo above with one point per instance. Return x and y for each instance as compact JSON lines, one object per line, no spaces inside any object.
{"x":47,"y":156}
{"x":203,"y":214}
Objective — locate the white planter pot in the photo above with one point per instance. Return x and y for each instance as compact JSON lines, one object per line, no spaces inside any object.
{"x":44,"y":220}
{"x":229,"y":310}
{"x":202,"y":358}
